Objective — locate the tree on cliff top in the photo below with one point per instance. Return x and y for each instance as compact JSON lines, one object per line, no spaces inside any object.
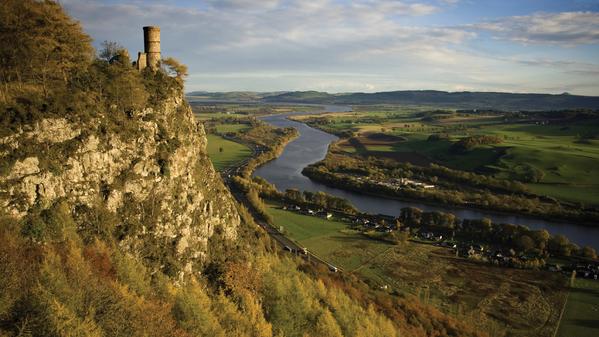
{"x":176,"y":69}
{"x":40,"y":48}
{"x":109,"y":50}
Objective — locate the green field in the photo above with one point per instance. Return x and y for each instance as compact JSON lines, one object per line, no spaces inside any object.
{"x":581,"y":316}
{"x":570,"y":166}
{"x":330,"y":240}
{"x":301,"y":227}
{"x":527,"y":303}
{"x":231,"y":153}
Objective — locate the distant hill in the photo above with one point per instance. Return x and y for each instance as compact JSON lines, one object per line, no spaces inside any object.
{"x":303,"y":97}
{"x":462,"y":100}
{"x":231,"y":96}
{"x":479,"y":100}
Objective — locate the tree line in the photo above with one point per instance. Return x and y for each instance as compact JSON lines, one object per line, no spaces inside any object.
{"x":517,"y":237}
{"x":468,"y":143}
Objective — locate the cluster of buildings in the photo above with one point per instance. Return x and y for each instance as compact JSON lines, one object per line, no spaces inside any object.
{"x":588,"y":270}
{"x":413,"y":183}
{"x":307,"y":211}
{"x":508,"y":258}
{"x":379,"y":222}
{"x":397,"y":183}
{"x":373,"y":224}
{"x":498,"y":256}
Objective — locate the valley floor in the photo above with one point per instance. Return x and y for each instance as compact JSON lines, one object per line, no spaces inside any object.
{"x":525,"y":302}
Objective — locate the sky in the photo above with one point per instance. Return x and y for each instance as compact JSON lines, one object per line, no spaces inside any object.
{"x":542,"y":46}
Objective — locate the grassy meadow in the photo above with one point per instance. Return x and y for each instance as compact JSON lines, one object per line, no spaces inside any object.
{"x":231,"y":153}
{"x":525,"y":302}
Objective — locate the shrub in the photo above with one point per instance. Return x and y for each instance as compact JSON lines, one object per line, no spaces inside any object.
{"x":589,"y":252}
{"x":192,"y":310}
{"x":469,"y":143}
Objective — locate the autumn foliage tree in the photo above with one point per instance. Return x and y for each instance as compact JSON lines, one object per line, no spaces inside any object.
{"x":175,"y":69}
{"x":40,"y":48}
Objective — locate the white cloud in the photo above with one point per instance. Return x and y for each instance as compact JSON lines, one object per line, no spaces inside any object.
{"x":341,"y":28}
{"x":566,"y":29}
{"x":244,"y":4}
{"x":366,"y":45}
{"x":392,"y":7}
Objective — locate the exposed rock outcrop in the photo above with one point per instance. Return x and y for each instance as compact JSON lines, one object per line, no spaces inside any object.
{"x":153,"y":175}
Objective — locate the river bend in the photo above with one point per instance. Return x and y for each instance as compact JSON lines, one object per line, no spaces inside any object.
{"x":311,"y":146}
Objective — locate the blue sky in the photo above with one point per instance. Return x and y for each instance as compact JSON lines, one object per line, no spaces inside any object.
{"x":365,"y":45}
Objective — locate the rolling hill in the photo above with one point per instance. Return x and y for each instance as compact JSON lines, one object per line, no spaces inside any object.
{"x":461,"y":100}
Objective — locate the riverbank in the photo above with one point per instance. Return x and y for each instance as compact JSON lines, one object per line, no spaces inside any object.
{"x":550,"y":155}
{"x":379,"y":156}
{"x":312,"y":145}
{"x":271,"y":152}
{"x":446,"y":198}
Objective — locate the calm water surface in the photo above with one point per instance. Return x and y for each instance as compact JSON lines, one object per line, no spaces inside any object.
{"x":312,"y":145}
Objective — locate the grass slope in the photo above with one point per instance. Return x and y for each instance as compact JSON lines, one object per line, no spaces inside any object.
{"x":581,"y":316}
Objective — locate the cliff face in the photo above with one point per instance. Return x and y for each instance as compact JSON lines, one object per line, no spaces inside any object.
{"x":150,"y":174}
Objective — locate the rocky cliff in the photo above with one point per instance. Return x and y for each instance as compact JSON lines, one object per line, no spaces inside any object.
{"x":148,"y":177}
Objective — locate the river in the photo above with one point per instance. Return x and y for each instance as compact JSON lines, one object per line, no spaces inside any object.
{"x":311,"y":146}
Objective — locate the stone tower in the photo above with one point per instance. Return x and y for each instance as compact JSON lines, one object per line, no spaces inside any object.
{"x":152,"y":45}
{"x":151,"y":55}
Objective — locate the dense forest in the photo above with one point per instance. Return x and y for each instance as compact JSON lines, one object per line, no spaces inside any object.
{"x":65,"y":270}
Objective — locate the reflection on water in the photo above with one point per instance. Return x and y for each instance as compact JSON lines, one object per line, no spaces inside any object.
{"x":312,"y":145}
